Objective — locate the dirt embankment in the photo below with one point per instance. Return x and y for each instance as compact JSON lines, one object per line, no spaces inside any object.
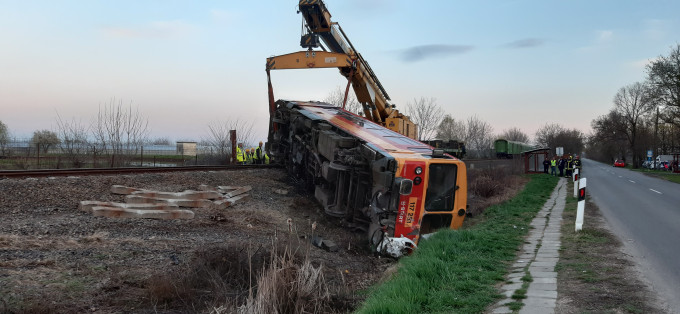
{"x":54,"y":258}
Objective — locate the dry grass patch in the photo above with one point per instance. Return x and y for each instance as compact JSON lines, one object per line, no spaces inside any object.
{"x":487,"y":187}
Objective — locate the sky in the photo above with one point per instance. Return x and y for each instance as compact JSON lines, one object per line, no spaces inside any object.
{"x":189,"y":64}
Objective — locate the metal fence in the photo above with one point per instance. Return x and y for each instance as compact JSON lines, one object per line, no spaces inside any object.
{"x":21,"y":154}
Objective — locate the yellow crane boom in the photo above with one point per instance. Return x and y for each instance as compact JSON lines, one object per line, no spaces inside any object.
{"x":338,"y":52}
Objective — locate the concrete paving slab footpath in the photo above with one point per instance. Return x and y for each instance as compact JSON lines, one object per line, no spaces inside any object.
{"x":537,"y":261}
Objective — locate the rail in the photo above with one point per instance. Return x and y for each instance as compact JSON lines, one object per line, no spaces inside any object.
{"x":105,"y":171}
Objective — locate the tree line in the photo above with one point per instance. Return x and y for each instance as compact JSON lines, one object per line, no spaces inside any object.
{"x":644,"y":116}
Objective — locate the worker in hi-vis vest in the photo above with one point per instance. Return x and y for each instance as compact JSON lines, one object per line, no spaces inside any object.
{"x":553,"y":166}
{"x":249,"y":156}
{"x":240,"y":157}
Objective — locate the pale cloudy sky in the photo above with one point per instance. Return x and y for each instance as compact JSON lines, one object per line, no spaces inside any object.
{"x":186,"y":64}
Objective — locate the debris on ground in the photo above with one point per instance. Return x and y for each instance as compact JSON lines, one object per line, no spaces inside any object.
{"x":152,"y":204}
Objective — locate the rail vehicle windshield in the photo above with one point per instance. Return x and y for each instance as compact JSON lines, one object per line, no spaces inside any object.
{"x":441,"y":188}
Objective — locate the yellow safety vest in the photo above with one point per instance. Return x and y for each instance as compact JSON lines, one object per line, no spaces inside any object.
{"x":266,"y":158}
{"x":553,"y":163}
{"x":239,"y":154}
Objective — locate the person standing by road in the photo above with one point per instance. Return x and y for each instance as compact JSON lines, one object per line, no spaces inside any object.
{"x":577,"y":164}
{"x":560,"y":165}
{"x":546,"y":163}
{"x":570,"y":166}
{"x":553,"y":166}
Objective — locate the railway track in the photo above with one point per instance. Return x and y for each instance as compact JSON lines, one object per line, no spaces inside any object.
{"x":471,"y":163}
{"x":104,"y":171}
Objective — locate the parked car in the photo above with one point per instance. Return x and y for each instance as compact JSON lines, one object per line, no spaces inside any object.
{"x":647,"y":164}
{"x":662,"y":165}
{"x":619,"y":163}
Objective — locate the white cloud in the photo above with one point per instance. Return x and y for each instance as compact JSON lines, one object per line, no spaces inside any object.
{"x":656,"y":29}
{"x":604,"y":36}
{"x":641,"y":64}
{"x":158,"y":29}
{"x":222,"y":15}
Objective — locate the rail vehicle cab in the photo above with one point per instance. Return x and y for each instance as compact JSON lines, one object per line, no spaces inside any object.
{"x":432,"y":194}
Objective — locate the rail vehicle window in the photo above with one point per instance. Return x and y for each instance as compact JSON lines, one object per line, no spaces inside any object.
{"x":441,"y":188}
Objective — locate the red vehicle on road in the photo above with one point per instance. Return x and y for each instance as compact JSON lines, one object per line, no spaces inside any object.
{"x":619,"y":163}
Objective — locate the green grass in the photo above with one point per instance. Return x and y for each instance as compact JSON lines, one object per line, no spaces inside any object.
{"x":673,"y":177}
{"x":456,"y":271}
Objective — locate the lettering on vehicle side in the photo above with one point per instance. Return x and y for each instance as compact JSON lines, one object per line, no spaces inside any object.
{"x":402,"y":212}
{"x":411,"y":212}
{"x":331,"y":60}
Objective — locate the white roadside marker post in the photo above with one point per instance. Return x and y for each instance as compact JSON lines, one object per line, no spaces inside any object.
{"x":574,"y":177}
{"x":581,"y":204}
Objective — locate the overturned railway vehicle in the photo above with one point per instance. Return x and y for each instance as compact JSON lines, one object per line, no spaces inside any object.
{"x":375,"y":180}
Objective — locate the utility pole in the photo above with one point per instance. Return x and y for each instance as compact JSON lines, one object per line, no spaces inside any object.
{"x":656,"y":135}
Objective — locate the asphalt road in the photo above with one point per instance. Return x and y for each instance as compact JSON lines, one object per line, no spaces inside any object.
{"x":645,"y":213}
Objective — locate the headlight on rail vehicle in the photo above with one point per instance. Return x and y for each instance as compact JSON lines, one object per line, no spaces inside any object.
{"x":419,"y":171}
{"x":405,"y":186}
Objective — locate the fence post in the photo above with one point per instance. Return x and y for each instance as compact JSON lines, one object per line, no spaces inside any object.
{"x":232,"y":137}
{"x":581,"y":205}
{"x":141,"y":162}
{"x":575,"y":178}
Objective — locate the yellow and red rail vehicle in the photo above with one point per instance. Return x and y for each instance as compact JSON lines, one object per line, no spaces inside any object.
{"x":374,"y":179}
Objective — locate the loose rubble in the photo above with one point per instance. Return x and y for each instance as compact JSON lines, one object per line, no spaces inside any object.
{"x":144,"y":203}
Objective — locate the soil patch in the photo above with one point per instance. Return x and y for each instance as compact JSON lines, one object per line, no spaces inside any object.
{"x":56,"y":259}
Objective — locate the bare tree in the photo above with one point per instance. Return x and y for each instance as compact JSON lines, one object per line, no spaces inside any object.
{"x":337,"y":96}
{"x":119,"y":130}
{"x":607,"y":142}
{"x":450,"y":129}
{"x":478,"y":137}
{"x":664,"y":78}
{"x":427,"y":115}
{"x":554,"y":135}
{"x":219,"y":137}
{"x":632,"y":103}
{"x":515,"y":134}
{"x":545,"y":135}
{"x":44,"y":139}
{"x":4,"y":137}
{"x":73,"y":140}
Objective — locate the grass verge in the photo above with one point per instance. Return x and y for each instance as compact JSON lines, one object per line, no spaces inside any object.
{"x":673,"y":177}
{"x":457,"y":270}
{"x":593,"y":276}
